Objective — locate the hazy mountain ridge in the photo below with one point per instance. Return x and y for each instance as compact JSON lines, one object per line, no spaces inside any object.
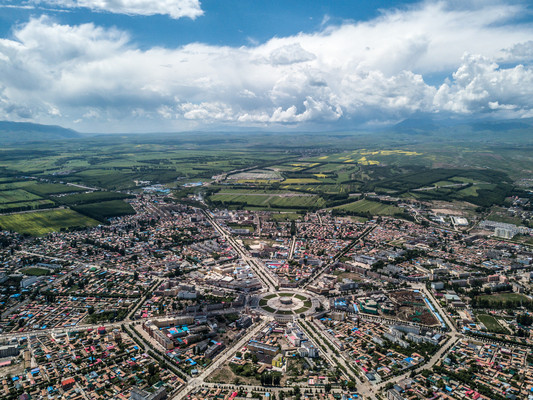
{"x":26,"y":132}
{"x":508,"y":131}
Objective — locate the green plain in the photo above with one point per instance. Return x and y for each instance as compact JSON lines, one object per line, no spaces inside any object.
{"x":40,"y":223}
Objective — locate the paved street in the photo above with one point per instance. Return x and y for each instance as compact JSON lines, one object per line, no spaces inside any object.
{"x":269,"y":282}
{"x":219,"y":361}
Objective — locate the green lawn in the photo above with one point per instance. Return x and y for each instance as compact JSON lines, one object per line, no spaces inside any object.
{"x":505,"y":297}
{"x":473,"y":190}
{"x":285,"y":216}
{"x":40,"y":223}
{"x":35,"y":271}
{"x":284,"y":312}
{"x":250,"y":228}
{"x":491,"y":323}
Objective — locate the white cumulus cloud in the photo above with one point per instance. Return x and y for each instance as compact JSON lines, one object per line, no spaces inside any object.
{"x":354,"y":73}
{"x":173,"y":8}
{"x":479,"y":85}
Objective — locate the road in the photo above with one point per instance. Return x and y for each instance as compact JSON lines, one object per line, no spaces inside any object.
{"x":292,"y":247}
{"x":82,"y":186}
{"x":270,"y":282}
{"x":265,"y":276}
{"x":364,"y":234}
{"x":425,"y":189}
{"x":110,"y":325}
{"x":269,"y":194}
{"x":45,"y":288}
{"x":366,"y":388}
{"x":323,"y":342}
{"x":143,"y":299}
{"x":432,"y":361}
{"x":454,"y":337}
{"x":219,"y":361}
{"x":436,"y":304}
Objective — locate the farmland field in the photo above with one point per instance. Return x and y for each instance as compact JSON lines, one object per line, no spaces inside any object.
{"x":371,"y":207}
{"x":26,"y":205}
{"x":39,"y":223}
{"x":44,"y":189}
{"x":16,"y":195}
{"x":301,"y":181}
{"x":93,"y":197}
{"x":14,"y":185}
{"x":105,"y":209}
{"x":321,"y":170}
{"x":269,"y":200}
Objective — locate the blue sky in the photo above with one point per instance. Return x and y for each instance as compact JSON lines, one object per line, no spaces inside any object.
{"x":227,"y":22}
{"x":174,"y":65}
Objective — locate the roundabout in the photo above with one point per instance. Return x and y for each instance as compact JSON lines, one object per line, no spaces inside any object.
{"x":287,"y":304}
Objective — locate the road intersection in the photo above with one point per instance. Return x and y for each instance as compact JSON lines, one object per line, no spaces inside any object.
{"x":270,"y":286}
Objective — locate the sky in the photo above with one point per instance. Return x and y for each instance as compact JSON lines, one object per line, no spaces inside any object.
{"x":181,"y":65}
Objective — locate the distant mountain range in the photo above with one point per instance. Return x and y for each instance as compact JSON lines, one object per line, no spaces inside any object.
{"x":415,"y":128}
{"x":419,"y":125}
{"x":26,"y":132}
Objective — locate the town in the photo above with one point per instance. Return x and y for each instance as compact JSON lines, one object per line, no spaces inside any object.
{"x":266,"y":200}
{"x":179,"y":301}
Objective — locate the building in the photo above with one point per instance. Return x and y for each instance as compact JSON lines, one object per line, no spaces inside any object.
{"x":68,"y":384}
{"x":26,"y":282}
{"x":294,"y":340}
{"x":368,"y":306}
{"x":244,"y":322}
{"x":262,"y":348}
{"x":139,"y":394}
{"x":393,"y":394}
{"x":517,"y":288}
{"x":459,"y":221}
{"x":308,"y":350}
{"x":8,"y":351}
{"x":277,"y":361}
{"x":186,"y":295}
{"x":214,"y":349}
{"x":504,"y":233}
